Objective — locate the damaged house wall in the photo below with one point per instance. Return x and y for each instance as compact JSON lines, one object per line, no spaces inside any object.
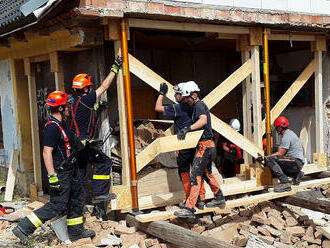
{"x":8,"y":115}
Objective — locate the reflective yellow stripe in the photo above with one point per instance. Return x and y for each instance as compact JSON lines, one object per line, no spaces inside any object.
{"x":74,"y":221}
{"x":34,"y":219}
{"x":101,"y":176}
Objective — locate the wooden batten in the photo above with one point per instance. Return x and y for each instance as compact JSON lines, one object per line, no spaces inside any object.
{"x":256,"y":38}
{"x":319,"y":44}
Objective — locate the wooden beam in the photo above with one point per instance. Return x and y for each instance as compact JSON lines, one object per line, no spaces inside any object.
{"x":235,"y":137}
{"x":256,"y":98}
{"x":27,"y":67}
{"x":39,"y":58}
{"x":114,"y":30}
{"x":10,"y":184}
{"x":318,"y":102}
{"x":228,"y":84}
{"x":300,"y":200}
{"x":176,"y":235}
{"x":290,"y":93}
{"x":293,"y":37}
{"x":320,"y":44}
{"x":154,"y":80}
{"x":321,"y":159}
{"x":166,"y":144}
{"x":184,"y":26}
{"x":246,"y":106}
{"x":35,"y":131}
{"x":56,"y":66}
{"x":164,"y":215}
{"x":122,"y":120}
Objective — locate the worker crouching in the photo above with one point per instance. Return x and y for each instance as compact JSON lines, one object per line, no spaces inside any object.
{"x":59,"y":149}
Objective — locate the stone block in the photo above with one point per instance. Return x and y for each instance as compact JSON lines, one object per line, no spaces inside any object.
{"x":240,"y":240}
{"x":277,"y":223}
{"x":273,"y":231}
{"x":267,"y":239}
{"x":297,"y":231}
{"x":119,"y":230}
{"x":263,"y":231}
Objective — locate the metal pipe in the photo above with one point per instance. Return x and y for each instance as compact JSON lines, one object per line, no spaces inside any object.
{"x":129,"y":109}
{"x":267,"y":90}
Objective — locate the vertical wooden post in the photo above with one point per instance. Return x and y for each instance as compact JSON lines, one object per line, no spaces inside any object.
{"x":246,"y":94}
{"x":29,"y":72}
{"x":114,"y":33}
{"x":56,"y":66}
{"x":318,"y":101}
{"x":257,"y":121}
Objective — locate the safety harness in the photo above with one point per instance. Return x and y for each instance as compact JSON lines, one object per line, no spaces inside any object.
{"x":65,"y":138}
{"x":74,"y":123}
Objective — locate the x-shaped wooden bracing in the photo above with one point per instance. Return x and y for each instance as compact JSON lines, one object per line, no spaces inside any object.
{"x":154,"y":80}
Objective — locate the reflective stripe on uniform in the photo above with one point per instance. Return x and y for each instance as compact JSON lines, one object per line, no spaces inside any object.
{"x":74,"y":221}
{"x":34,"y":219}
{"x":101,"y":177}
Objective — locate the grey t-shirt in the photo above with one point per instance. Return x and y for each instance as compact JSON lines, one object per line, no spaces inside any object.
{"x":291,"y":142}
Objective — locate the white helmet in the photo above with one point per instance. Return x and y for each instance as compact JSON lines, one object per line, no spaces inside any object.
{"x":235,"y":124}
{"x":178,"y":88}
{"x":189,"y":87}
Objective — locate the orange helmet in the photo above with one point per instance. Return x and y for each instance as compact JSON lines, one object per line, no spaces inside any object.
{"x":81,"y":81}
{"x":57,"y":98}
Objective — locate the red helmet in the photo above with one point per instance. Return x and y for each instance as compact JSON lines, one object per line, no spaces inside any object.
{"x":281,"y":121}
{"x":81,"y":81}
{"x":57,"y":98}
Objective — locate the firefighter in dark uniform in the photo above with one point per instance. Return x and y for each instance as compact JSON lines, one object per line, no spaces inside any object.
{"x":181,"y":113}
{"x":83,"y":124}
{"x":66,"y":189}
{"x":205,"y":153}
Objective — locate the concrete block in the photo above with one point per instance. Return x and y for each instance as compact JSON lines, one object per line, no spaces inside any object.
{"x":219,"y":2}
{"x":302,"y":6}
{"x":247,"y":4}
{"x":275,"y":5}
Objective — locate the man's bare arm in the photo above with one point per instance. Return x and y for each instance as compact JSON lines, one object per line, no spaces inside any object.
{"x":48,"y":159}
{"x":201,"y":122}
{"x":159,"y":104}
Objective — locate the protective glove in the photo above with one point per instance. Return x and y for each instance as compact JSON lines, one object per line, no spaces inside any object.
{"x":163,"y":89}
{"x":116,"y":65}
{"x":70,"y":99}
{"x":100,"y":104}
{"x":260,"y":159}
{"x":182,"y":133}
{"x":233,"y":152}
{"x":54,"y":183}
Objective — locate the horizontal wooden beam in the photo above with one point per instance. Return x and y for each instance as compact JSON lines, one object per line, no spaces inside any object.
{"x":228,"y":84}
{"x":164,"y":215}
{"x":184,"y":26}
{"x":177,"y":235}
{"x":293,"y":37}
{"x":166,"y":144}
{"x":290,"y":93}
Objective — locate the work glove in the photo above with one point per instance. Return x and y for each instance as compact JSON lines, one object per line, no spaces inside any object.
{"x":233,"y":152}
{"x":116,"y":64}
{"x":54,"y":183}
{"x":260,"y":159}
{"x":163,"y":89}
{"x":100,"y":104}
{"x":70,"y":99}
{"x":182,"y":133}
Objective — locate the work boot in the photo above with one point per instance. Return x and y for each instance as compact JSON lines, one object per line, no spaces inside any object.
{"x":218,"y":201}
{"x":86,"y":233}
{"x":102,"y":198}
{"x":297,"y":180}
{"x":282,"y":187}
{"x":185,"y":212}
{"x":200,"y":204}
{"x":19,"y":233}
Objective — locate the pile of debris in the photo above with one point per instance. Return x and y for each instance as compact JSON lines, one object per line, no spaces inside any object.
{"x":272,"y":224}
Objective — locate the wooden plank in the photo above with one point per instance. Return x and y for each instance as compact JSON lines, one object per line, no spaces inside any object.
{"x":54,"y":62}
{"x":35,"y":131}
{"x":228,"y":84}
{"x":184,"y":26}
{"x":299,"y":200}
{"x":321,"y":159}
{"x":256,"y":98}
{"x":264,"y":176}
{"x":33,"y":192}
{"x":122,"y":120}
{"x":154,"y":80}
{"x":27,"y":67}
{"x":235,"y":137}
{"x":290,"y":93}
{"x":247,"y":108}
{"x":166,"y":144}
{"x":313,"y":168}
{"x":177,"y":235}
{"x":10,"y":184}
{"x":319,"y":138}
{"x":293,"y":37}
{"x":114,"y":30}
{"x":304,"y":132}
{"x":320,"y":44}
{"x":123,"y":197}
{"x":56,"y":66}
{"x":237,"y":202}
{"x":39,"y":58}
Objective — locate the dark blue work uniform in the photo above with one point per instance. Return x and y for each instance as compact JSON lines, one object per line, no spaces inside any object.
{"x":70,"y":199}
{"x":181,"y":113}
{"x":83,"y":124}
